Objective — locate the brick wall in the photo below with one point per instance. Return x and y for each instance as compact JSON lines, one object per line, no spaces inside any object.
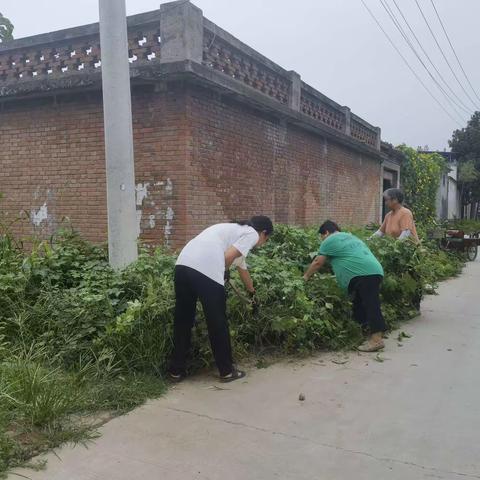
{"x":246,"y":162}
{"x":52,"y":165}
{"x":200,"y":158}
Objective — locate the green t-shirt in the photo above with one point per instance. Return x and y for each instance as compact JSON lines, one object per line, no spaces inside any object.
{"x":350,"y":257}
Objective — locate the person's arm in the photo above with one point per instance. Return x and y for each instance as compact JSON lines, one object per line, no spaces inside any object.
{"x":315,"y":266}
{"x":246,"y":279}
{"x":381,"y":231}
{"x":406,"y":225}
{"x":230,"y":255}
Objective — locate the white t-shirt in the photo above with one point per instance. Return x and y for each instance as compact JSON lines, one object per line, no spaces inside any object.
{"x":206,"y":252}
{"x":240,"y":262}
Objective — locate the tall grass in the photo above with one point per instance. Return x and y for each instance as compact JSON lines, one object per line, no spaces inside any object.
{"x":41,"y":404}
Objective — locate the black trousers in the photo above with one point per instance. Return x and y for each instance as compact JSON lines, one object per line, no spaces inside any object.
{"x":365,"y":291}
{"x":190,"y":286}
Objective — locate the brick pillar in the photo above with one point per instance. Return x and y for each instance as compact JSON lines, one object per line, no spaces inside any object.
{"x":295,"y":91}
{"x":347,"y":114}
{"x":181,"y":32}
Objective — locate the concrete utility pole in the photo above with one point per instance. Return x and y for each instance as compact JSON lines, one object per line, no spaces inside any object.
{"x":117,"y":112}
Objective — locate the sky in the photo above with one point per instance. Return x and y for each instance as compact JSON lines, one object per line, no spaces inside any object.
{"x":336,"y":47}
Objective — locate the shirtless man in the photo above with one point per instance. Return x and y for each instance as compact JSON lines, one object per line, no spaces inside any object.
{"x":399,"y":221}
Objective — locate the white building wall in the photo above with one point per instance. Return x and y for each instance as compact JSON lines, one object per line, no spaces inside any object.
{"x":442,"y":198}
{"x":454,"y":200}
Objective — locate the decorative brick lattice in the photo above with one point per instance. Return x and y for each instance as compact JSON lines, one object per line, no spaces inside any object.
{"x":363,"y":133}
{"x":144,"y":45}
{"x":321,"y":111}
{"x":225,"y":58}
{"x":78,"y":55}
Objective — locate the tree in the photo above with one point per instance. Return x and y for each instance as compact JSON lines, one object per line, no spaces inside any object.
{"x":465,"y":143}
{"x":6,"y":29}
{"x":421,"y":174}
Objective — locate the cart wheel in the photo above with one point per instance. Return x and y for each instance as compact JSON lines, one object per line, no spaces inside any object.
{"x":472,"y":251}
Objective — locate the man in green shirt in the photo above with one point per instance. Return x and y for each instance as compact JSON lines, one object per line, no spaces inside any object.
{"x":359,"y":273}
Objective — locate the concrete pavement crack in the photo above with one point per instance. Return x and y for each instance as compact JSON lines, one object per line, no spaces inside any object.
{"x":325,"y":445}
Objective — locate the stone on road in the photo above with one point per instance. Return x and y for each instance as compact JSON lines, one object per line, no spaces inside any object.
{"x":414,"y":415}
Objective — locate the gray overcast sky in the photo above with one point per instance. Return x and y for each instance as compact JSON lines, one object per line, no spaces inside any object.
{"x":333,"y":44}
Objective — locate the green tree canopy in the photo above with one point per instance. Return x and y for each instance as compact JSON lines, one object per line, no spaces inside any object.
{"x":6,"y":29}
{"x":466,"y":144}
{"x":467,"y":172}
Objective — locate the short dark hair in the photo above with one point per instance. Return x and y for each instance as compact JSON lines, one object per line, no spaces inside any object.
{"x":394,"y":194}
{"x":260,"y":223}
{"x":328,"y":226}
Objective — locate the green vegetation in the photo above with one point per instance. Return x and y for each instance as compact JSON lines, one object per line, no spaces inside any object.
{"x":80,"y":342}
{"x":465,"y":143}
{"x":468,"y":226}
{"x":6,"y":29}
{"x":421,"y":174}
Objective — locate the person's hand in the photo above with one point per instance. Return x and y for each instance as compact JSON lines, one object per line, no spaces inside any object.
{"x":255,"y":304}
{"x":306,"y":278}
{"x":226,"y":276}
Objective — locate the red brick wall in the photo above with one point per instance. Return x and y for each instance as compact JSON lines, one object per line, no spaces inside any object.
{"x":53,"y":154}
{"x":199,"y":159}
{"x":245,"y":162}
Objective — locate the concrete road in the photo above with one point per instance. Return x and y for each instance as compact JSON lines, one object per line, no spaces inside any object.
{"x":414,"y":415}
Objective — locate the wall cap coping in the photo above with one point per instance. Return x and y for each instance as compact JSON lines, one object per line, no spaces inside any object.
{"x":68,"y":34}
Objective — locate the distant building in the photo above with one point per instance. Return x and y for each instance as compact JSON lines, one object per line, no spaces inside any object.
{"x":448,"y":203}
{"x":454,"y":198}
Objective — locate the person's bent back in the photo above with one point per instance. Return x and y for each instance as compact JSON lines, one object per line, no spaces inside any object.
{"x":199,"y":275}
{"x":359,"y":273}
